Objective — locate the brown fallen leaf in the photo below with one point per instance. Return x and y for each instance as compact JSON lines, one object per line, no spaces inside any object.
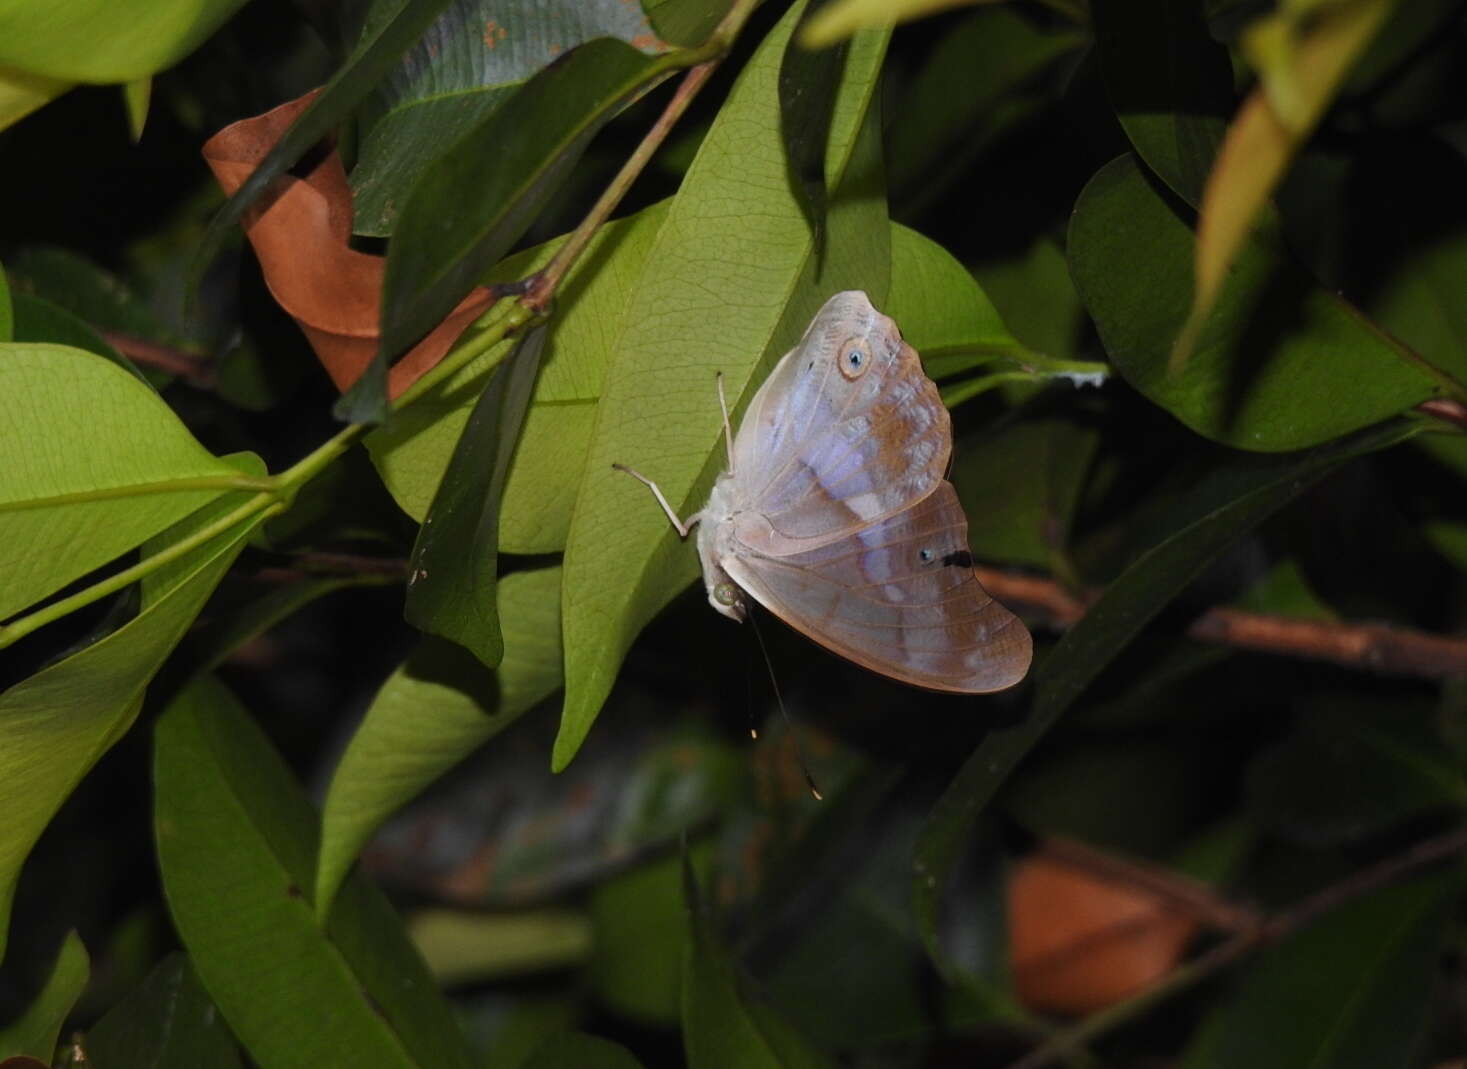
{"x":300,"y":228}
{"x":1079,"y":942}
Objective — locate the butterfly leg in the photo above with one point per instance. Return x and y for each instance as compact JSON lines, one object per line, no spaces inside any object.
{"x":682,"y":528}
{"x":727,"y":427}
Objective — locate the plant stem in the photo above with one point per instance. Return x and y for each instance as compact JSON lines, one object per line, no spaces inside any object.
{"x":709,"y":54}
{"x":267,"y":503}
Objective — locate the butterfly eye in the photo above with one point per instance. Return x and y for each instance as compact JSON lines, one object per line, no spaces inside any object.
{"x":726,"y":594}
{"x":853,"y":361}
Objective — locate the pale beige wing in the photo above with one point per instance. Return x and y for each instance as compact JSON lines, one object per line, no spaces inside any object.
{"x":847,"y":430}
{"x":898,"y":597}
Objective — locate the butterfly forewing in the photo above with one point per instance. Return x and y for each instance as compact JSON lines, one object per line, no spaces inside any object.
{"x":825,"y":446}
{"x":897,"y":596}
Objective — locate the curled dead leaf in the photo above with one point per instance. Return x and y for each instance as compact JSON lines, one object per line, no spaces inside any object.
{"x":300,"y":229}
{"x":1079,"y":942}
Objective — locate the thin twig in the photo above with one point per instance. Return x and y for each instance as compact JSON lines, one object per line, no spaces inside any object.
{"x":1274,"y":929}
{"x":544,"y":284}
{"x":196,"y":370}
{"x":1375,"y":647}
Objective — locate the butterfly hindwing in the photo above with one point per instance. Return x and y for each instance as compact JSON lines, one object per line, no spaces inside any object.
{"x":847,"y":429}
{"x":897,"y":596}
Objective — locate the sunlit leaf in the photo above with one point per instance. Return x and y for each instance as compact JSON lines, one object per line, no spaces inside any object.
{"x":237,"y":849}
{"x":432,"y":712}
{"x":57,"y":723}
{"x":95,"y":462}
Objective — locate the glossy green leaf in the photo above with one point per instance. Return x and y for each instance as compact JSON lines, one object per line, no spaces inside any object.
{"x":1174,"y":112}
{"x":394,"y":27}
{"x":1236,"y":497}
{"x":237,"y":848}
{"x":451,"y":575}
{"x":34,"y":1032}
{"x":94,"y":461}
{"x":1351,"y":770}
{"x":432,"y":712}
{"x":1280,"y":364}
{"x":725,"y":1026}
{"x":729,"y":284}
{"x":57,"y":723}
{"x":103,"y":41}
{"x":464,"y":66}
{"x":167,"y":1022}
{"x":491,"y":185}
{"x":576,"y":1050}
{"x":1350,"y":991}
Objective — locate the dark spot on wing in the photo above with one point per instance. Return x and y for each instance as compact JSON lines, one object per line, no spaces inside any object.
{"x":959,"y":559}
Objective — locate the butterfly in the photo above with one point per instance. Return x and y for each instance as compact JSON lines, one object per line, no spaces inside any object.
{"x":835,"y":516}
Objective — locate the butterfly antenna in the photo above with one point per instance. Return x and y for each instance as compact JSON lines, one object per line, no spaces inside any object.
{"x":779,"y":700}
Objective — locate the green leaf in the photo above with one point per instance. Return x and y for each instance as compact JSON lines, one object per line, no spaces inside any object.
{"x":462,"y":68}
{"x":396,"y":25}
{"x":685,"y":22}
{"x":576,"y":1050}
{"x":39,"y":320}
{"x":451,"y":579}
{"x":638,"y":952}
{"x":56,"y":724}
{"x":101,"y":41}
{"x":728,"y":285}
{"x":1170,"y":83}
{"x":942,"y":312}
{"x":463,"y":946}
{"x":724,"y":1025}
{"x":1036,"y":297}
{"x":136,"y":95}
{"x":167,"y":1022}
{"x":1020,"y":487}
{"x":477,"y":199}
{"x":1350,"y":991}
{"x":1280,"y":364}
{"x":432,"y":712}
{"x":413,"y":450}
{"x":34,"y":1032}
{"x":237,"y":849}
{"x":1236,"y":497}
{"x":94,"y":461}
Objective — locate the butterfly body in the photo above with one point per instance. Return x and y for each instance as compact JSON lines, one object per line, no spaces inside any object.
{"x":835,"y":514}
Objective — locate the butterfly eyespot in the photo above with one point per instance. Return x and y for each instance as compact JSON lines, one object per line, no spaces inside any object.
{"x":853,"y":361}
{"x":926,"y":556}
{"x":726,"y":594}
